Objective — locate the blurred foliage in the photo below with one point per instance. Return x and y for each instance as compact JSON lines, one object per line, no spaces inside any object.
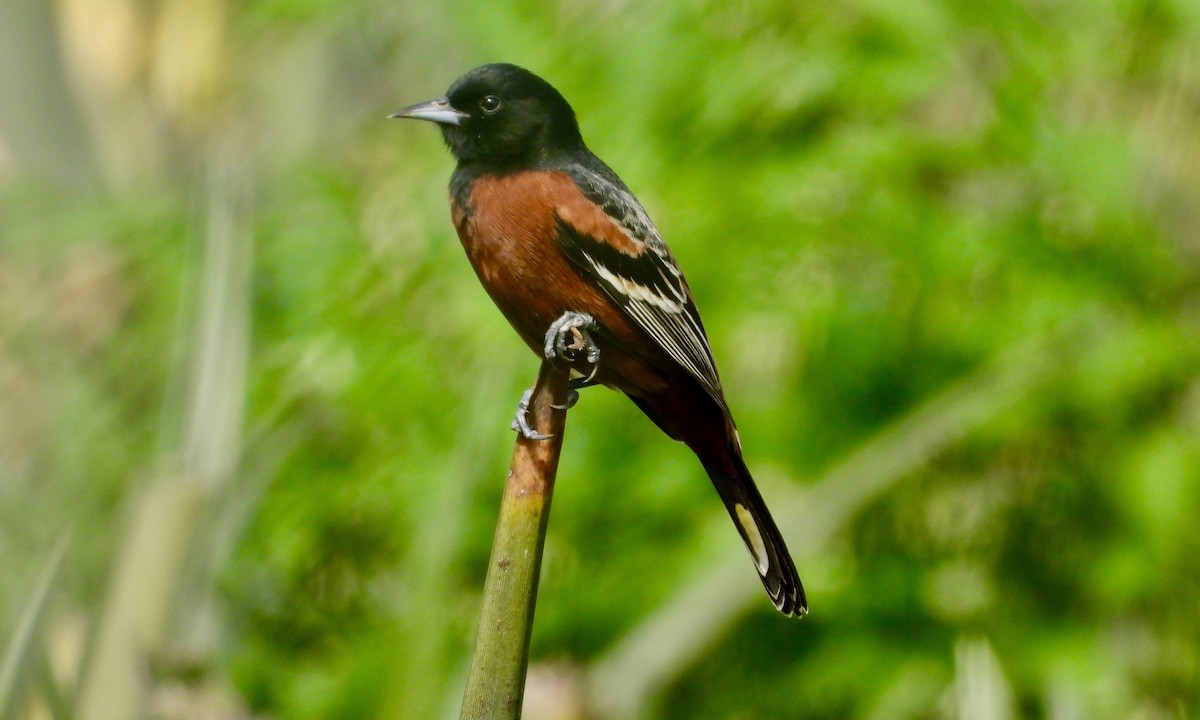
{"x":872,"y":201}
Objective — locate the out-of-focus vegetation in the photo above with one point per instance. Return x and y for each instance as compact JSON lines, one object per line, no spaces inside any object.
{"x":254,"y":406}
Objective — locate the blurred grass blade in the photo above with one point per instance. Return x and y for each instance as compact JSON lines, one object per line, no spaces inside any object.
{"x":56,"y":698}
{"x":143,"y":585}
{"x":20,"y":655}
{"x":216,"y":396}
{"x":666,"y":643}
{"x":981,"y":692}
{"x":40,"y":121}
{"x":150,"y":567}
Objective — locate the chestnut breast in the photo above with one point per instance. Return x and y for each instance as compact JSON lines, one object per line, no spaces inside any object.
{"x":507,"y":224}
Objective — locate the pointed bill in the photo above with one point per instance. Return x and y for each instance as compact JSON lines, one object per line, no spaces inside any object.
{"x":438,"y":111}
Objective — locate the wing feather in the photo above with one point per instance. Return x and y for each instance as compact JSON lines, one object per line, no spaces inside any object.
{"x":648,"y":285}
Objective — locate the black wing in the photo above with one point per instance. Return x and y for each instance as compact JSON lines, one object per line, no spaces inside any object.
{"x":649,"y":285}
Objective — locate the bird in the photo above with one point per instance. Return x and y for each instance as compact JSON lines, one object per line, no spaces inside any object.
{"x":573,"y":261}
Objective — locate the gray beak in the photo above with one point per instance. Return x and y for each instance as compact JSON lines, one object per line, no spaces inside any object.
{"x":438,"y":111}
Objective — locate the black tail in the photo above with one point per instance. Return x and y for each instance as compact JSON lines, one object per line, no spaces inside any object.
{"x":705,"y":426}
{"x":762,"y":538}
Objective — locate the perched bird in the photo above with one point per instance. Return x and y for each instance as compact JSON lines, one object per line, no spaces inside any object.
{"x":573,"y":261}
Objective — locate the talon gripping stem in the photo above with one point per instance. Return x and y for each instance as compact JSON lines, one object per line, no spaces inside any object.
{"x":520,"y":423}
{"x":570,"y":324}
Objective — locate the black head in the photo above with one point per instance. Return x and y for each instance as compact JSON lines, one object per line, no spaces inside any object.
{"x":501,"y":115}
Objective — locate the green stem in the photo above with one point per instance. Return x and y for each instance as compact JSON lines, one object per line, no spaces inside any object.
{"x":496,"y":680}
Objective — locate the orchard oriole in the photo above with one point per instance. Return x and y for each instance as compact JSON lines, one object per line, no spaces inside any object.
{"x":569,"y":256}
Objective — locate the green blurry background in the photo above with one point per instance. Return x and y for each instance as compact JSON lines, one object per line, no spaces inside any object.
{"x":254,"y":407}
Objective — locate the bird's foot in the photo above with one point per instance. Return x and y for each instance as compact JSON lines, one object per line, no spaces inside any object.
{"x":521,"y":424}
{"x":569,"y":338}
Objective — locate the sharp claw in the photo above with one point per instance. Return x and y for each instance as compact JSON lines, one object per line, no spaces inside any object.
{"x":592,"y":375}
{"x":521,"y":424}
{"x":572,"y":398}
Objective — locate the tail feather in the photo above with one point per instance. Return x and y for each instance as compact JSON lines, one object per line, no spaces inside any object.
{"x":761,"y":535}
{"x":706,"y":427}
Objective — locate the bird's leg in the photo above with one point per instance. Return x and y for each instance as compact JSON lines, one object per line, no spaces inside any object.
{"x":567,"y":337}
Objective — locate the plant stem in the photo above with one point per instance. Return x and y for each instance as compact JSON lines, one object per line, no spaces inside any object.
{"x":496,"y":680}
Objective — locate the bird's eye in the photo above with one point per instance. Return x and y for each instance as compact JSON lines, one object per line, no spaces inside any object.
{"x":489,"y":104}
